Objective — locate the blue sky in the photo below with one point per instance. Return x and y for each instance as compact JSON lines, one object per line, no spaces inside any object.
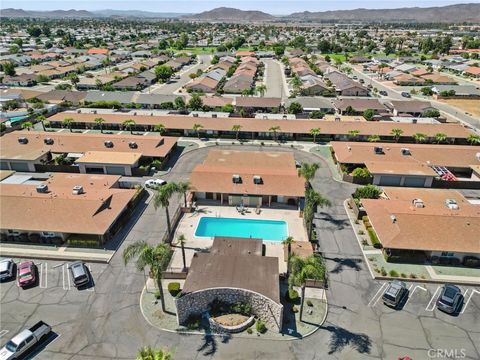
{"x":192,"y":6}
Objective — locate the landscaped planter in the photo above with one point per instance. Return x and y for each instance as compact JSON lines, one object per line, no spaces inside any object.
{"x":216,"y":327}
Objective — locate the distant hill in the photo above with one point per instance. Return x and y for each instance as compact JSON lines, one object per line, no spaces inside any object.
{"x":445,"y":14}
{"x":137,"y":13}
{"x":17,"y":13}
{"x":231,"y":15}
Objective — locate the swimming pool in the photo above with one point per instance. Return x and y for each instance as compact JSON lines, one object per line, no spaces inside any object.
{"x":271,"y":230}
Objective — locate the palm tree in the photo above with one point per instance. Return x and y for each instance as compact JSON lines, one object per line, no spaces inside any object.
{"x":183,"y":188}
{"x":311,"y":268}
{"x":148,"y":353}
{"x":288,"y":241}
{"x":315,"y":132}
{"x":296,"y":82}
{"x":160,"y":128}
{"x":397,"y":133}
{"x":274,"y":129}
{"x":197,"y":128}
{"x":245,"y":92}
{"x":162,"y":198}
{"x":352,"y":134}
{"x":182,"y":240}
{"x":313,"y":199}
{"x":373,"y":138}
{"x":42,"y":120}
{"x":473,"y":139}
{"x":237,"y":129}
{"x":419,"y":137}
{"x":27,"y":125}
{"x":99,"y":121}
{"x":129,"y":124}
{"x":261,"y":89}
{"x":308,"y":171}
{"x":68,"y":123}
{"x":440,"y":137}
{"x":155,"y":257}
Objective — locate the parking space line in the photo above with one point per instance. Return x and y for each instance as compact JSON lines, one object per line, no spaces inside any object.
{"x":410,"y":294}
{"x":377,"y":296}
{"x":43,"y":275}
{"x":469,"y":298}
{"x":65,"y":283}
{"x":4,"y":332}
{"x":433,"y":299}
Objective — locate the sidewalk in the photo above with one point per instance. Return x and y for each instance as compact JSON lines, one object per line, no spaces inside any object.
{"x":452,"y":278}
{"x":56,"y":253}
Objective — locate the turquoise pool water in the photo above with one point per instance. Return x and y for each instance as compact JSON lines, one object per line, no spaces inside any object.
{"x":270,"y":230}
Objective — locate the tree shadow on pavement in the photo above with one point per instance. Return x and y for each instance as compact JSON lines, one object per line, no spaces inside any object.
{"x":340,"y":224}
{"x":342,"y":337}
{"x":342,"y":263}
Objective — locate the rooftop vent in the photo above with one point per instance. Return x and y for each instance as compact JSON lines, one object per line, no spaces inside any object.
{"x":195,"y":115}
{"x":108,"y":144}
{"x":451,"y":204}
{"x":132,"y":145}
{"x":79,"y":111}
{"x":214,"y":115}
{"x":42,"y":188}
{"x":265,"y":117}
{"x":418,"y":203}
{"x":394,"y":218}
{"x":48,"y":141}
{"x":77,"y":190}
{"x":94,"y":111}
{"x":257,"y":179}
{"x":405,"y":151}
{"x":236,"y":179}
{"x":378,"y":150}
{"x":349,"y":148}
{"x":414,"y":121}
{"x":23,"y":140}
{"x":284,"y":117}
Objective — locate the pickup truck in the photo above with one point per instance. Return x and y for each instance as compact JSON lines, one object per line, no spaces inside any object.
{"x":24,"y":341}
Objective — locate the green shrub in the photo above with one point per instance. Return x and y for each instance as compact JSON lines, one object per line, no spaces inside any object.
{"x":413,"y":276}
{"x":242,"y":308}
{"x":393,"y":273}
{"x":157,"y":294}
{"x":174,"y":288}
{"x":374,"y":239}
{"x":260,"y":326}
{"x":361,"y":173}
{"x":403,"y":275}
{"x":383,"y":271}
{"x":367,"y":191}
{"x":294,"y":309}
{"x":291,"y":295}
{"x":249,"y":330}
{"x":309,"y":303}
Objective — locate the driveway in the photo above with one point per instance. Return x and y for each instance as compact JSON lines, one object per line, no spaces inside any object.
{"x":275,"y":80}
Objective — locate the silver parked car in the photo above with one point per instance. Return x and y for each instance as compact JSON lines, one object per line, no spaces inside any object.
{"x":395,"y":293}
{"x":449,"y":299}
{"x":6,"y":269}
{"x":80,"y":274}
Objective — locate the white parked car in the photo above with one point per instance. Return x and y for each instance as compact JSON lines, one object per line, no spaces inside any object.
{"x":153,"y":183}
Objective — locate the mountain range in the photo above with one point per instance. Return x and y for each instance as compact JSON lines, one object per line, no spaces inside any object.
{"x":447,"y":14}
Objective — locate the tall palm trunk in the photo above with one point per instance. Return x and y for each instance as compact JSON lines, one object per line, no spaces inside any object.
{"x":160,"y":289}
{"x":43,"y":125}
{"x":169,"y":225}
{"x":302,"y":301}
{"x":185,"y":198}
{"x":289,"y":254}
{"x":183,"y":255}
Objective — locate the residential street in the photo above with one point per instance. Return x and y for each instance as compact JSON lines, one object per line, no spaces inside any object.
{"x":275,"y":79}
{"x":106,"y":322}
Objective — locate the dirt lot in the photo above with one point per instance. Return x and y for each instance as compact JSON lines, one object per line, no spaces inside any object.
{"x":470,"y":106}
{"x":231,"y":319}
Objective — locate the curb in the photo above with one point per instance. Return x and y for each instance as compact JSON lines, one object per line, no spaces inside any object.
{"x":59,"y":257}
{"x":380,"y":277}
{"x":231,"y":335}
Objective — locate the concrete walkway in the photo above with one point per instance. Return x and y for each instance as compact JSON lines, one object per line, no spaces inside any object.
{"x":56,"y":253}
{"x":451,"y":278}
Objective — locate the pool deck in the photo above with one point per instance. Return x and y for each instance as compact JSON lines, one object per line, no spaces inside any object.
{"x":189,"y":222}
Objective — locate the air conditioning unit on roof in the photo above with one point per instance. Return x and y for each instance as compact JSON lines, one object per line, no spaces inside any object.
{"x":108,"y":144}
{"x":132,"y":145}
{"x":405,"y":151}
{"x":77,"y":190}
{"x":236,"y":179}
{"x":378,"y":150}
{"x":48,"y":141}
{"x":23,"y":140}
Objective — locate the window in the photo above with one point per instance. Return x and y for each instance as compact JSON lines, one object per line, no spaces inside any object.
{"x":446,"y":253}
